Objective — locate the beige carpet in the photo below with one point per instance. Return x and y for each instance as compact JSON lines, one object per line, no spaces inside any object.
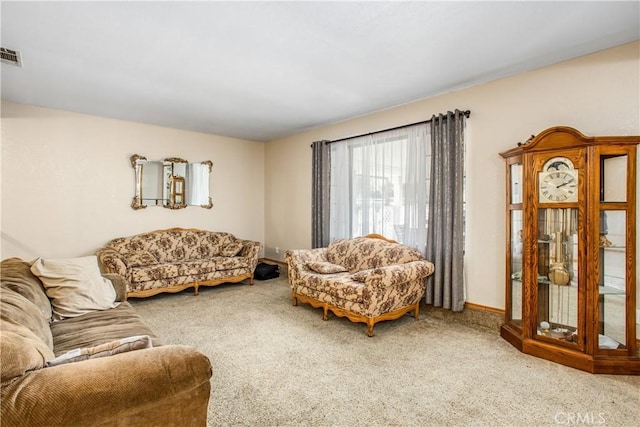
{"x":279,"y":365}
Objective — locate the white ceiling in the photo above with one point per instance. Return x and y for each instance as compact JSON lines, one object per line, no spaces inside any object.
{"x":263,"y":70}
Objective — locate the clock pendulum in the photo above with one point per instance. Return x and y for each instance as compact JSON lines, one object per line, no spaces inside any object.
{"x":558,"y":273}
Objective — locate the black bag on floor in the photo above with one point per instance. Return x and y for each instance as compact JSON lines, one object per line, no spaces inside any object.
{"x":266,"y":271}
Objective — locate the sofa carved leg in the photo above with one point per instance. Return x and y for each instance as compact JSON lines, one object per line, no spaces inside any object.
{"x":294,"y":300}
{"x":416,"y":311}
{"x":325,"y":312}
{"x":195,"y":289}
{"x":251,"y":280}
{"x":370,"y":325}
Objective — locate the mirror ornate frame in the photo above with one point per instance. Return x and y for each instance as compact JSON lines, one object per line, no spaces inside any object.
{"x":173,"y":183}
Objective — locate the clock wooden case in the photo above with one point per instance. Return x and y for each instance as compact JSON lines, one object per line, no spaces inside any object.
{"x":571,"y":259}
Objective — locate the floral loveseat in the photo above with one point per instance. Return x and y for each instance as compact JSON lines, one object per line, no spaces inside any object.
{"x":366,"y":279}
{"x":175,"y":259}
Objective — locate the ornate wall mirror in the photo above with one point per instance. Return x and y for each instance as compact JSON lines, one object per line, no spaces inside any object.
{"x":173,"y":183}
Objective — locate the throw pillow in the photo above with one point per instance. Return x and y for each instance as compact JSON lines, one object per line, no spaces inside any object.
{"x":325,"y":267}
{"x":361,"y":276}
{"x":231,"y":249}
{"x":138,"y":259}
{"x":74,"y":285}
{"x":137,"y":342}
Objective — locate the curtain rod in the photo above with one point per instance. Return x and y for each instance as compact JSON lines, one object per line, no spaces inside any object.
{"x":466,"y":113}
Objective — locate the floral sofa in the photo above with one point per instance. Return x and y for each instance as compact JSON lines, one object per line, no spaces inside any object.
{"x":68,"y":362}
{"x":175,"y":259}
{"x":366,"y":279}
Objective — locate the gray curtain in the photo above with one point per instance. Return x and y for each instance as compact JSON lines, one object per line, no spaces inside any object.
{"x":445,"y":287}
{"x":321,"y":166}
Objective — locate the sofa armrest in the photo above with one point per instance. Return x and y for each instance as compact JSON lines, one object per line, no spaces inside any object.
{"x":382,"y":277}
{"x":250,"y":248}
{"x":108,"y":389}
{"x":111,"y":261}
{"x":302,"y":256}
{"x":297,"y":260}
{"x":119,"y":284}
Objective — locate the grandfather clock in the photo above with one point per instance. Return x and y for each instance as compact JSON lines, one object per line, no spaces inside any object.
{"x":570,"y":258}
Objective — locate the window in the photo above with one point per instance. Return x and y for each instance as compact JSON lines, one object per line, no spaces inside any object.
{"x":380,"y":184}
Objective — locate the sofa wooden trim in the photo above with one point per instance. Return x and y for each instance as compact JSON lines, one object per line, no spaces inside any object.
{"x":195,"y":285}
{"x":355,"y":317}
{"x":381,"y":237}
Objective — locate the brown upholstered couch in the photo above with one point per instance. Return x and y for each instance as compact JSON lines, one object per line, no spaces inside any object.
{"x":162,"y":385}
{"x":366,"y":279}
{"x":175,"y":259}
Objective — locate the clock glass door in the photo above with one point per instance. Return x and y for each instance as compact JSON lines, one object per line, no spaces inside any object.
{"x":613,"y":254}
{"x":557,"y":276}
{"x":612,"y":284}
{"x":515,"y":245}
{"x":516,"y":267}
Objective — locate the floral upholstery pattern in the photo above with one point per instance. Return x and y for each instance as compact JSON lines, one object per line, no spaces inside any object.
{"x":383,"y":280}
{"x":174,"y":259}
{"x":138,"y":259}
{"x":363,"y":253}
{"x":325,"y":267}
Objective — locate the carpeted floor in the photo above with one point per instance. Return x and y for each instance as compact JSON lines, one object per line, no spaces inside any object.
{"x":279,"y":365}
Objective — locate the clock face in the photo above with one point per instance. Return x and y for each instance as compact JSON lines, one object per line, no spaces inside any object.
{"x":558,"y":186}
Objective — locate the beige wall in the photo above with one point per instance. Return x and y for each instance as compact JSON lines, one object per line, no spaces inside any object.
{"x":67,"y":182}
{"x":597,"y":94}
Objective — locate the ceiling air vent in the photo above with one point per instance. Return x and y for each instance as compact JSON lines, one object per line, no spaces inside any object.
{"x":11,"y":56}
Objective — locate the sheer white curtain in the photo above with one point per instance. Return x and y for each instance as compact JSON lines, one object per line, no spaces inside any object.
{"x":380,"y":184}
